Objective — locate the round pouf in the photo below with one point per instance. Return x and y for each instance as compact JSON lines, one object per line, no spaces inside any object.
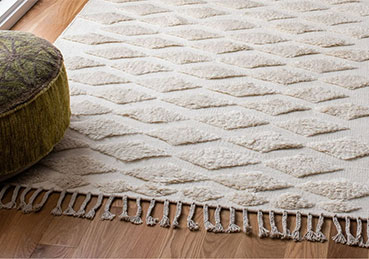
{"x":34,"y":100}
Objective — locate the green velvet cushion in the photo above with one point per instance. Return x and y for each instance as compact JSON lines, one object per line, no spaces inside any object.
{"x":34,"y":100}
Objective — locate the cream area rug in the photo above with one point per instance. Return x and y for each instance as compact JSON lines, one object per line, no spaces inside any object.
{"x":258,"y":106}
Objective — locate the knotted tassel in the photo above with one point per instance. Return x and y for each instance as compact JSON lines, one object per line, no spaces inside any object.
{"x":218,"y":224}
{"x":367,"y":234}
{"x":137,"y":218}
{"x":175,"y":223}
{"x":124,"y":215}
{"x":107,"y":215}
{"x":309,"y":235}
{"x":70,"y":211}
{"x":22,"y":202}
{"x":28,"y":208}
{"x":319,"y":236}
{"x":191,"y":224}
{"x":350,"y":239}
{"x":296,"y":232}
{"x":43,"y":201}
{"x":165,"y":222}
{"x":247,"y":229}
{"x":207,"y":224}
{"x":82,"y":208}
{"x":232,"y":228}
{"x":286,"y":233}
{"x":263,"y":232}
{"x":359,"y":233}
{"x":92,"y":212}
{"x":2,"y":193}
{"x":339,"y":238}
{"x":57,"y":211}
{"x":13,"y":202}
{"x":150,"y":220}
{"x":274,"y":232}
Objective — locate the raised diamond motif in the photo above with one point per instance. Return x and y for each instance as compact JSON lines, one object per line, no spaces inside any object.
{"x":347,"y":111}
{"x":351,"y":82}
{"x":264,"y":141}
{"x":201,"y":193}
{"x":282,"y":76}
{"x":211,"y":72}
{"x":338,"y":206}
{"x":246,"y":199}
{"x":315,"y":94}
{"x":241,"y":89}
{"x":258,"y":38}
{"x":331,"y":19}
{"x":344,"y":148}
{"x":275,"y":106}
{"x":69,"y":142}
{"x":167,"y":84}
{"x":76,"y":62}
{"x":88,"y":108}
{"x":232,"y":120}
{"x":182,"y":135}
{"x":323,"y":65}
{"x":302,"y":165}
{"x":129,"y":30}
{"x":114,"y":186}
{"x":218,"y":157}
{"x":310,"y":127}
{"x":99,"y":128}
{"x":106,"y":18}
{"x":116,"y":53}
{"x":251,"y":181}
{"x":153,"y":190}
{"x":182,"y":57}
{"x":193,"y":34}
{"x":198,"y":101}
{"x":202,"y":12}
{"x":143,"y":9}
{"x":167,"y":20}
{"x":251,"y":61}
{"x":296,"y":27}
{"x":338,"y":189}
{"x":183,"y":2}
{"x":324,"y":41}
{"x":240,"y":4}
{"x":120,"y":95}
{"x":140,"y":67}
{"x":359,"y":32}
{"x":130,"y":151}
{"x":303,"y":6}
{"x":79,"y":165}
{"x":358,"y":55}
{"x":230,"y":25}
{"x":291,"y":201}
{"x":269,"y":15}
{"x":288,"y":51}
{"x":91,"y":39}
{"x":340,"y":1}
{"x":167,"y":174}
{"x":152,"y":115}
{"x":154,"y":42}
{"x":354,"y":9}
{"x":220,"y":46}
{"x":100,"y":78}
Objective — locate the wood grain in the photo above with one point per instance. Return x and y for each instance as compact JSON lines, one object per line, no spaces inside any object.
{"x":42,"y":235}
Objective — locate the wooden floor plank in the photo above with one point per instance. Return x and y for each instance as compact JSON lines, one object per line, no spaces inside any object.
{"x":50,"y":251}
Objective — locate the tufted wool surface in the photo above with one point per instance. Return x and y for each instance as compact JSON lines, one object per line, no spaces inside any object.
{"x":259,"y":104}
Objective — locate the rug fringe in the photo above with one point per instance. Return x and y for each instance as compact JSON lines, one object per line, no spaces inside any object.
{"x":191,"y":224}
{"x":175,"y":223}
{"x":150,"y":220}
{"x":165,"y":222}
{"x":314,"y":236}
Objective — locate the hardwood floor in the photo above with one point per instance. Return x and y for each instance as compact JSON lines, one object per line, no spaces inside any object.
{"x":42,"y":235}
